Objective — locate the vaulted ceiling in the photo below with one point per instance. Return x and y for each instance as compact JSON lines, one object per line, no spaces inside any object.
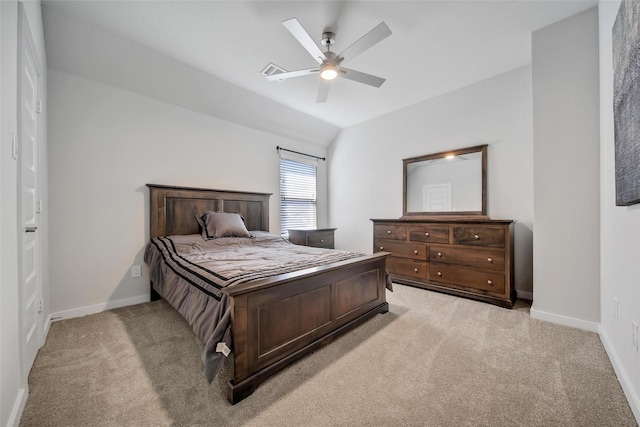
{"x":435,"y":47}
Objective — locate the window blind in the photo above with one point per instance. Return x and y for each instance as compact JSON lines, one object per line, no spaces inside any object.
{"x":297,"y":195}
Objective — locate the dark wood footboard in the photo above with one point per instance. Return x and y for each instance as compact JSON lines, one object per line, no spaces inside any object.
{"x":277,"y":321}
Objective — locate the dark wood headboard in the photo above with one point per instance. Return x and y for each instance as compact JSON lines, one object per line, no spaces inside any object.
{"x":173,"y":209}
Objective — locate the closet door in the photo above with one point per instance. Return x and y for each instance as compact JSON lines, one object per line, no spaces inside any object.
{"x":30,"y":271}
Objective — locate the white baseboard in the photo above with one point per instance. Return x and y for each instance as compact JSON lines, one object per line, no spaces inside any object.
{"x":564,"y":320}
{"x":47,"y":326}
{"x":18,"y":407}
{"x":93,"y":309}
{"x":623,"y":378}
{"x":525,"y":295}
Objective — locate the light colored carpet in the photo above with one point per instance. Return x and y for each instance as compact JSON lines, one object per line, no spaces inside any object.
{"x":433,"y":360}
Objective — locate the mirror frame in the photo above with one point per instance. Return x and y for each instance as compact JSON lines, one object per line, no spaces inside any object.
{"x":405,"y":162}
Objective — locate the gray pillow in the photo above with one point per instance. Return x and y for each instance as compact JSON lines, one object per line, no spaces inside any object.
{"x":219,"y":224}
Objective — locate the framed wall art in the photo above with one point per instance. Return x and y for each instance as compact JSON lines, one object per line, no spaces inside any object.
{"x":626,"y":102}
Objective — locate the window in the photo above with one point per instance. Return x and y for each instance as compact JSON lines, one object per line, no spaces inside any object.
{"x":297,"y":195}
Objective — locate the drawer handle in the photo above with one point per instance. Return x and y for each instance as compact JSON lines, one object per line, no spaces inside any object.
{"x":415,"y":269}
{"x":382,"y":248}
{"x":439,"y":254}
{"x":439,"y":274}
{"x":415,"y":252}
{"x":476,"y":237}
{"x":388,"y":231}
{"x":490,"y":259}
{"x":489,"y":282}
{"x":321,"y":241}
{"x":426,"y":234}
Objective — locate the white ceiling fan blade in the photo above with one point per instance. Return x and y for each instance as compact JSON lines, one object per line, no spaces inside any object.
{"x":357,"y":76}
{"x":296,"y":29}
{"x":289,"y":74}
{"x":323,"y":91}
{"x":379,"y":33}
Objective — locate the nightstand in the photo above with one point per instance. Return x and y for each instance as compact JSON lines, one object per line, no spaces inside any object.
{"x":318,"y":237}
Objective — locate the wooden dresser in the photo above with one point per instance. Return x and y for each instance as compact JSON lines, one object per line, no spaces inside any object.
{"x":318,"y":237}
{"x":470,"y":258}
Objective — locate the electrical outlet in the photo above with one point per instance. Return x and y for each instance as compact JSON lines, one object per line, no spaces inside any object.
{"x":634,"y":336}
{"x":615,"y":308}
{"x":136,"y":271}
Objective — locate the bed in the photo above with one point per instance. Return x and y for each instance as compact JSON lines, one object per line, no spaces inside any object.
{"x":273,"y":319}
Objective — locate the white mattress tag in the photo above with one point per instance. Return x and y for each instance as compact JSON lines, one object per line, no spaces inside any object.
{"x":222,"y":348}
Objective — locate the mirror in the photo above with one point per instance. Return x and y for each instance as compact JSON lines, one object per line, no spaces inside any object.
{"x":448,"y":183}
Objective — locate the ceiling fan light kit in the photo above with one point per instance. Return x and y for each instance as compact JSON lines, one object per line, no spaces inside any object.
{"x":330,"y":63}
{"x":328,"y":71}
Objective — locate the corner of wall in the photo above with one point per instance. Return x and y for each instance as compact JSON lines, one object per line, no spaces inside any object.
{"x":621,"y":373}
{"x":566,"y":274}
{"x":619,"y":292}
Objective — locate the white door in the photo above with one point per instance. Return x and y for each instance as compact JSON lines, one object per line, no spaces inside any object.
{"x":28,"y":192}
{"x":436,"y":197}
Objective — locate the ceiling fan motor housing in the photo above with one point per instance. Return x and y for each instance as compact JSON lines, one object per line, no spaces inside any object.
{"x":331,"y":57}
{"x":328,"y":38}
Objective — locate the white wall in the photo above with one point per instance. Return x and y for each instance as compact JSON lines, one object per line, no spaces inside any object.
{"x":13,"y":375}
{"x":105,"y":144}
{"x":566,"y":249}
{"x":619,"y":236}
{"x":365,"y":161}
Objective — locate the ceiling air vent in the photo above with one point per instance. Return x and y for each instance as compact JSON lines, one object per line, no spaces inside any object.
{"x":272,"y":69}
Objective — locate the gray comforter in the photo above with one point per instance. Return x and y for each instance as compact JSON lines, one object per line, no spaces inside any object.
{"x":190,"y":273}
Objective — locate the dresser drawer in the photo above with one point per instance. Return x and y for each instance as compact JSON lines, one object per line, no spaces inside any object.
{"x":321,"y":240}
{"x":403,"y":267}
{"x":429,"y":234}
{"x":465,"y":256}
{"x":479,"y":236}
{"x":477,"y":279}
{"x":472,"y":257}
{"x":401,"y":249}
{"x":390,"y":231}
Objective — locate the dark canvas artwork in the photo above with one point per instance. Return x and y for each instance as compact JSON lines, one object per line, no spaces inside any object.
{"x":626,"y":102}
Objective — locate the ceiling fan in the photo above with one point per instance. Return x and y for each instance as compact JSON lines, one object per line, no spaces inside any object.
{"x":330,"y":63}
